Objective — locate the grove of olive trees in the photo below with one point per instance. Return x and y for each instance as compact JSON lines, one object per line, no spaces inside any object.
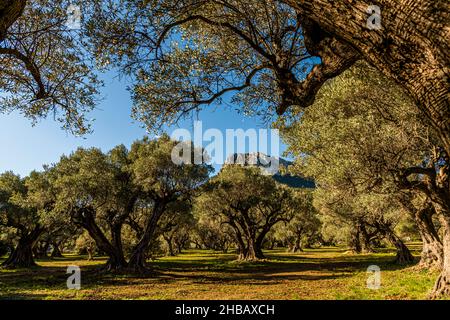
{"x":374,"y":160}
{"x":361,"y":98}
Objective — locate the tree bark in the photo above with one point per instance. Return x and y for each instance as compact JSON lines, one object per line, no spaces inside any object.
{"x":40,"y":249}
{"x":137,"y":262}
{"x":259,"y":240}
{"x":403,"y":255}
{"x":366,"y":240}
{"x":432,"y":250}
{"x":170,"y":246}
{"x":116,"y":261}
{"x":10,"y":11}
{"x":56,"y":252}
{"x":22,"y":255}
{"x":411,"y":47}
{"x":442,"y":285}
{"x":298,"y":243}
{"x":355,"y":241}
{"x":251,"y":252}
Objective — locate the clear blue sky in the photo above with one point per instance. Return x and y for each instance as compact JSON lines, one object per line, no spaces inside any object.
{"x":26,"y":148}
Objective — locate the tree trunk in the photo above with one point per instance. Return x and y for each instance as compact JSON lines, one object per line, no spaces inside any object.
{"x":56,"y":252}
{"x":10,"y":11}
{"x":411,"y":47}
{"x":242,"y":249}
{"x":403,"y":256}
{"x":138,"y":257}
{"x":91,"y":252}
{"x":432,"y":250}
{"x":250,"y":251}
{"x":442,"y":285}
{"x":40,"y":249}
{"x":257,"y":242}
{"x":115,"y":264}
{"x":116,"y":241}
{"x":355,"y":241}
{"x":116,"y":261}
{"x":180,"y":245}
{"x":258,"y":252}
{"x":170,"y":246}
{"x":297,"y":244}
{"x":22,"y":255}
{"x":242,"y":253}
{"x":366,"y":240}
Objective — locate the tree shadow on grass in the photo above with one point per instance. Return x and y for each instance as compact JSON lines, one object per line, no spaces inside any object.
{"x":279,"y":267}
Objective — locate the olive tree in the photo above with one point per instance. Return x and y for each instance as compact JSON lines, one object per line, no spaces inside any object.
{"x":93,"y":192}
{"x":250,"y":204}
{"x":357,"y":150}
{"x":303,"y":229}
{"x":105,"y":193}
{"x":25,"y":206}
{"x":209,"y":233}
{"x":363,"y":133}
{"x":24,"y":220}
{"x":184,"y":54}
{"x":45,"y":69}
{"x":163,"y":183}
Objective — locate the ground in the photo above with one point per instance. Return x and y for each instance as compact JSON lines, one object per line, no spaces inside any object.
{"x":325,"y":273}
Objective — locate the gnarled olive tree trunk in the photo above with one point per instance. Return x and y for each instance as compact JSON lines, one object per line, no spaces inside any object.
{"x":442,"y":285}
{"x":355,"y":240}
{"x":56,"y":252}
{"x":403,"y":255}
{"x":137,"y":262}
{"x":432,"y":250}
{"x":366,"y":239}
{"x":22,"y":255}
{"x":411,"y":47}
{"x":10,"y":11}
{"x":116,"y":260}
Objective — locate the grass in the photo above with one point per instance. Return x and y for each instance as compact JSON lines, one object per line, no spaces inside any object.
{"x":325,"y":273}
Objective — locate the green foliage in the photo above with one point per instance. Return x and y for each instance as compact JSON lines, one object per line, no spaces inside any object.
{"x":355,"y":141}
{"x":304,"y":228}
{"x":190,"y":54}
{"x":125,"y":196}
{"x":45,"y":69}
{"x":246,"y":204}
{"x":14,"y":212}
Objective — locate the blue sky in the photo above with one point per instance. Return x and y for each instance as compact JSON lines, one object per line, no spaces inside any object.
{"x":26,"y":147}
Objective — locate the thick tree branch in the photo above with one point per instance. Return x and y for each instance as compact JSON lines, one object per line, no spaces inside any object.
{"x":10,"y":11}
{"x":336,"y":57}
{"x":196,"y":102}
{"x":30,"y":66}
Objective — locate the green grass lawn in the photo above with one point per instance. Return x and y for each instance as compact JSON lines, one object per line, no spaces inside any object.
{"x":326,"y":273}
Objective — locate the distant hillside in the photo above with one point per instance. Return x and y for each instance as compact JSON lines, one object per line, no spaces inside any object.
{"x":270,"y":166}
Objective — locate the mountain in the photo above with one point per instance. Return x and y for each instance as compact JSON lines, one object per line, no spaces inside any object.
{"x":270,"y":166}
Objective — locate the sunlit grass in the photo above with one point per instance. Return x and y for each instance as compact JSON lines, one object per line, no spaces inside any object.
{"x":325,"y":273}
